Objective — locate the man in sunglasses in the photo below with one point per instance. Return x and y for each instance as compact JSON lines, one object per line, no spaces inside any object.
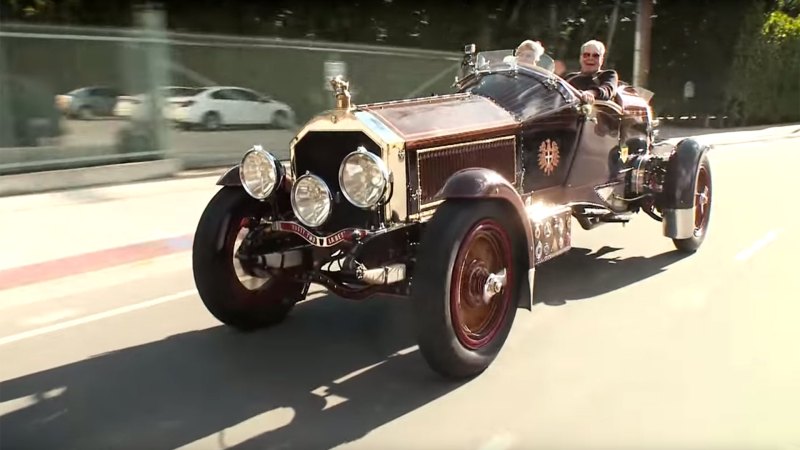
{"x":594,"y":83}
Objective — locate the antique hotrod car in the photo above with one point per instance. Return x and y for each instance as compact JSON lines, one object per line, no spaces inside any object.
{"x":450,"y":200}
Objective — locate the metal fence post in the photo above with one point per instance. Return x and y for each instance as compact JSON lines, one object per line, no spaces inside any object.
{"x":155,"y":60}
{"x":6,"y":121}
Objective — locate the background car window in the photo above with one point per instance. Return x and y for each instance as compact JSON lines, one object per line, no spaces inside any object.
{"x":523,"y":95}
{"x":181,"y":92}
{"x":104,"y":92}
{"x":246,"y":95}
{"x":223,"y":94}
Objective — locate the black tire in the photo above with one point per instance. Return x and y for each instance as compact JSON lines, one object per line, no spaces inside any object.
{"x":211,"y":121}
{"x":280,"y":119}
{"x":225,"y":297}
{"x":702,"y":197}
{"x":443,"y":335}
{"x":85,"y":113}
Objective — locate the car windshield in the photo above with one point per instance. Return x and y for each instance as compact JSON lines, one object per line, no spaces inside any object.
{"x":526,"y":97}
{"x":496,"y":60}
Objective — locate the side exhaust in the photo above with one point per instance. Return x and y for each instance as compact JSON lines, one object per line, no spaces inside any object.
{"x":382,"y":275}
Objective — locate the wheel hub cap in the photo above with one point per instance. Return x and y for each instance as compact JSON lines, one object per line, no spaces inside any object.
{"x":494,"y":285}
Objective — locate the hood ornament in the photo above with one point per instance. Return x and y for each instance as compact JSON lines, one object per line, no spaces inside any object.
{"x":341,"y":90}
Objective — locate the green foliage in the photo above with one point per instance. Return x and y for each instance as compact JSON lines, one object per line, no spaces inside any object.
{"x":765,"y":86}
{"x":780,"y":26}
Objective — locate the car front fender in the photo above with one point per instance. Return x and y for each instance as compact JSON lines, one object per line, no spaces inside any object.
{"x":230,"y":178}
{"x":482,"y":183}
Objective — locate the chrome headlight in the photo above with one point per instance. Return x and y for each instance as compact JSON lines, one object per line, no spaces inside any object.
{"x":364,"y":178}
{"x":260,"y":172}
{"x":311,"y":200}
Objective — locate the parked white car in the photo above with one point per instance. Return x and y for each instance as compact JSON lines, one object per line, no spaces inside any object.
{"x":219,"y":106}
{"x":136,"y":106}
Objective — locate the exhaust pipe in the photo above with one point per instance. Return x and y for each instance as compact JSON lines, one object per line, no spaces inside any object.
{"x":383,"y":275}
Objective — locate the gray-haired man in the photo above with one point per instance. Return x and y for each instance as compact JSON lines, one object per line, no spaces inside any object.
{"x":594,"y":83}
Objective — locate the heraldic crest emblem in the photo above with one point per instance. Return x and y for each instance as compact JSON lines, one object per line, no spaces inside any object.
{"x":548,"y":156}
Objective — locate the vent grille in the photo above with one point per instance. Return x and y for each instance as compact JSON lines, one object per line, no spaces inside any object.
{"x":436,"y":165}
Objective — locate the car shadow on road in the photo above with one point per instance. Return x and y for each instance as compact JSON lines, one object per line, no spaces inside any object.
{"x":583,"y":273}
{"x":195,"y":387}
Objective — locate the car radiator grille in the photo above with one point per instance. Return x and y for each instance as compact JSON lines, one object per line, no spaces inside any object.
{"x":436,"y":165}
{"x":321,"y":153}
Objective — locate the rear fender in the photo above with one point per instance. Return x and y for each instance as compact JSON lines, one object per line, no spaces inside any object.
{"x":679,"y":189}
{"x":481,"y":183}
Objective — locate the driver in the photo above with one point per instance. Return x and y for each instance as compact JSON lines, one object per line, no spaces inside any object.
{"x":528,"y":52}
{"x":594,"y":83}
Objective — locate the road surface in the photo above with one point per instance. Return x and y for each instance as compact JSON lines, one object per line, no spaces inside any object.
{"x":629,"y":345}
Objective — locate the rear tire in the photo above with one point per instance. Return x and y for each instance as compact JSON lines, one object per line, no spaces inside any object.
{"x":459,"y":334}
{"x":702,"y":204}
{"x":85,"y":113}
{"x":219,"y":286}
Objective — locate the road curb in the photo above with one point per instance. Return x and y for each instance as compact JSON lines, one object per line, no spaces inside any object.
{"x":51,"y":180}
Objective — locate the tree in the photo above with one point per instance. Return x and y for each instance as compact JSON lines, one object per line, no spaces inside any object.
{"x":765,"y":87}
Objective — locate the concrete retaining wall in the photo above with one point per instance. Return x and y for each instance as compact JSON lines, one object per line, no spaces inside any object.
{"x":87,"y":176}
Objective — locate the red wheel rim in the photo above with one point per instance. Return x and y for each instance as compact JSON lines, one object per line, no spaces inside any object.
{"x":486,"y":250}
{"x":702,"y":202}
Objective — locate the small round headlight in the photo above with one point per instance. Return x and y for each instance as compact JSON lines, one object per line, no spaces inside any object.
{"x":260,"y":172}
{"x":311,"y":200}
{"x":364,"y":178}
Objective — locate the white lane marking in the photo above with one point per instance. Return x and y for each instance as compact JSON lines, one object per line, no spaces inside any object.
{"x":357,"y":372}
{"x":94,"y":317}
{"x":747,"y":253}
{"x":57,"y":289}
{"x":9,"y":406}
{"x":244,"y":431}
{"x":331,"y":400}
{"x":53,"y":316}
{"x":500,"y":441}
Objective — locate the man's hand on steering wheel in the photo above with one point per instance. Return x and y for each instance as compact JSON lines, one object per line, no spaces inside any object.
{"x":587,"y":97}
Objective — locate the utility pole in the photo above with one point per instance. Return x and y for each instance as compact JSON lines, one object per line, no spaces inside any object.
{"x":612,"y":26}
{"x":641,"y":51}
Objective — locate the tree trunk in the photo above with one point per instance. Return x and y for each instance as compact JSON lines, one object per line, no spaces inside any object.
{"x":612,"y":27}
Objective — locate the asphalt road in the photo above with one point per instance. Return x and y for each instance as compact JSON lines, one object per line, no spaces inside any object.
{"x":630,"y":345}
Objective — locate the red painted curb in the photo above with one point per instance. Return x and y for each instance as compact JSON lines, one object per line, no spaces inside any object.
{"x":88,"y":262}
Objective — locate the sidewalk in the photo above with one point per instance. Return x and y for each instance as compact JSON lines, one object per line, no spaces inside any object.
{"x":55,"y":234}
{"x":728,"y":136}
{"x":51,"y":235}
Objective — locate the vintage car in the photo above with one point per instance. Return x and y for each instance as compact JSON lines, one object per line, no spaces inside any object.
{"x":449,"y":200}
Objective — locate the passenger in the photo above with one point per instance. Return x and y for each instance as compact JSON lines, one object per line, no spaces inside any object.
{"x":528,"y":53}
{"x":594,"y":83}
